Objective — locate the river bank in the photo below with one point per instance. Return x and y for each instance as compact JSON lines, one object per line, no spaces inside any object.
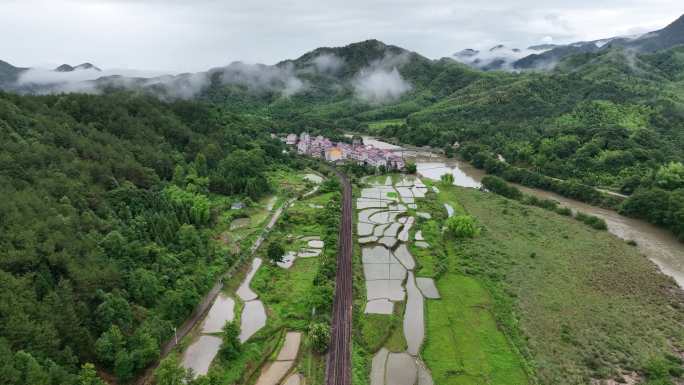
{"x":659,"y":245}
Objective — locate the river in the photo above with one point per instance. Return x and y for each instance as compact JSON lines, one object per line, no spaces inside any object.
{"x":657,"y":244}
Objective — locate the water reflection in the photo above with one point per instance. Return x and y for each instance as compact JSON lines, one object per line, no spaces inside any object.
{"x":656,"y":243}
{"x":434,"y":170}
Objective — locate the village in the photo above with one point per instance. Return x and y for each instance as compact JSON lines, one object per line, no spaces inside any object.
{"x":323,"y":148}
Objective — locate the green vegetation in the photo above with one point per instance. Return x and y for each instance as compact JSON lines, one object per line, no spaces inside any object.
{"x":462,"y":226}
{"x":116,"y":219}
{"x":275,"y":252}
{"x":610,"y":119}
{"x":464,"y":342}
{"x":231,"y":347}
{"x":319,"y":336}
{"x":111,"y":209}
{"x":464,"y":345}
{"x":378,"y":330}
{"x":499,"y":186}
{"x":378,"y":125}
{"x":558,"y":291}
{"x":447,"y":179}
{"x":298,"y":298}
{"x":169,"y":372}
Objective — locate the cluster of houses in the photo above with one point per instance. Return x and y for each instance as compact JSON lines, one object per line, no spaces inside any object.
{"x":324,"y":148}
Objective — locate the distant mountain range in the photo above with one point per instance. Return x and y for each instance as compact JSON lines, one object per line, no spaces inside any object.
{"x":84,"y":66}
{"x":548,"y":55}
{"x":362,"y":67}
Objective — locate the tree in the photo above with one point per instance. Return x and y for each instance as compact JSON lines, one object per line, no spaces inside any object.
{"x":447,"y":179}
{"x":330,"y":185}
{"x":499,"y":186}
{"x":114,"y":310}
{"x":144,"y":287}
{"x":231,"y":346}
{"x":241,"y":172}
{"x":410,"y":168}
{"x":109,"y":344}
{"x":169,"y":372}
{"x":88,"y":375}
{"x":275,"y":252}
{"x":123,"y":366}
{"x":671,"y":176}
{"x":462,"y":226}
{"x":319,"y":336}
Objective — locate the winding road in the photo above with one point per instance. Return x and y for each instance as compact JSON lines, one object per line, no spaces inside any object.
{"x":338,"y":368}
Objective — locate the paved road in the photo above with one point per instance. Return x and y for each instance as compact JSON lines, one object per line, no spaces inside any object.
{"x":339,"y":358}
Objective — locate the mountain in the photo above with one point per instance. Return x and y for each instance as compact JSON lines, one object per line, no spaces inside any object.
{"x":83,"y":66}
{"x":497,"y":57}
{"x":8,"y":73}
{"x":668,"y":37}
{"x":542,"y":47}
{"x":345,"y":62}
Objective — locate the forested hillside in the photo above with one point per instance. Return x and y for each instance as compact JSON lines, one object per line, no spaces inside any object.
{"x":612,"y":119}
{"x":105,"y":225}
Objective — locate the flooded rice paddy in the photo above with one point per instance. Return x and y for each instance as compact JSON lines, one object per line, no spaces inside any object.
{"x":222,"y":311}
{"x":657,"y":244}
{"x":275,"y":371}
{"x":199,"y":354}
{"x":384,"y":229}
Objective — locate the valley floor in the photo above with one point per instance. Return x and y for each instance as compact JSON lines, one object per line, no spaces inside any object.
{"x":536,"y":297}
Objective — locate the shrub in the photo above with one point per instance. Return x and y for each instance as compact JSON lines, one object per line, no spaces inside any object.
{"x":447,"y":179}
{"x":499,"y":186}
{"x":275,"y":252}
{"x":319,"y":336}
{"x":591,"y":220}
{"x":462,"y":226}
{"x":231,"y":346}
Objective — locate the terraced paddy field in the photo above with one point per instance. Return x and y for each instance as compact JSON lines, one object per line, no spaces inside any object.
{"x":273,"y":303}
{"x":535,"y":298}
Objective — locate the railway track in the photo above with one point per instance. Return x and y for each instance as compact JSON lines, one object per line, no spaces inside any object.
{"x":338,"y":366}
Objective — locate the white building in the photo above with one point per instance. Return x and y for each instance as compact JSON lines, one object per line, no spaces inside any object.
{"x":304,"y":143}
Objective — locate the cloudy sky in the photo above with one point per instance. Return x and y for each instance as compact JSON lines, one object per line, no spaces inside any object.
{"x":193,"y":35}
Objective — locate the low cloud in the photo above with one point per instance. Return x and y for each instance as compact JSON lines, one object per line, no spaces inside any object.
{"x":185,"y":86}
{"x":91,"y":81}
{"x":260,"y":77}
{"x":328,"y":63}
{"x":255,"y":77}
{"x":499,"y":57}
{"x":381,"y":81}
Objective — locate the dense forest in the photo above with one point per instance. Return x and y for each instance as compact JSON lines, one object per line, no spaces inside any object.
{"x":105,"y":225}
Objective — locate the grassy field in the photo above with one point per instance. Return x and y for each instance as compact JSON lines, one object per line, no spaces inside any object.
{"x":464,"y":345}
{"x":540,"y":293}
{"x":380,"y":124}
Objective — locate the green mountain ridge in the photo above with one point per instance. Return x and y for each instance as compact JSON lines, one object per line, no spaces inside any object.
{"x":668,"y":37}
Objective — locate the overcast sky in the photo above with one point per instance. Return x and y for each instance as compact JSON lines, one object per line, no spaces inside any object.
{"x":194,"y":35}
